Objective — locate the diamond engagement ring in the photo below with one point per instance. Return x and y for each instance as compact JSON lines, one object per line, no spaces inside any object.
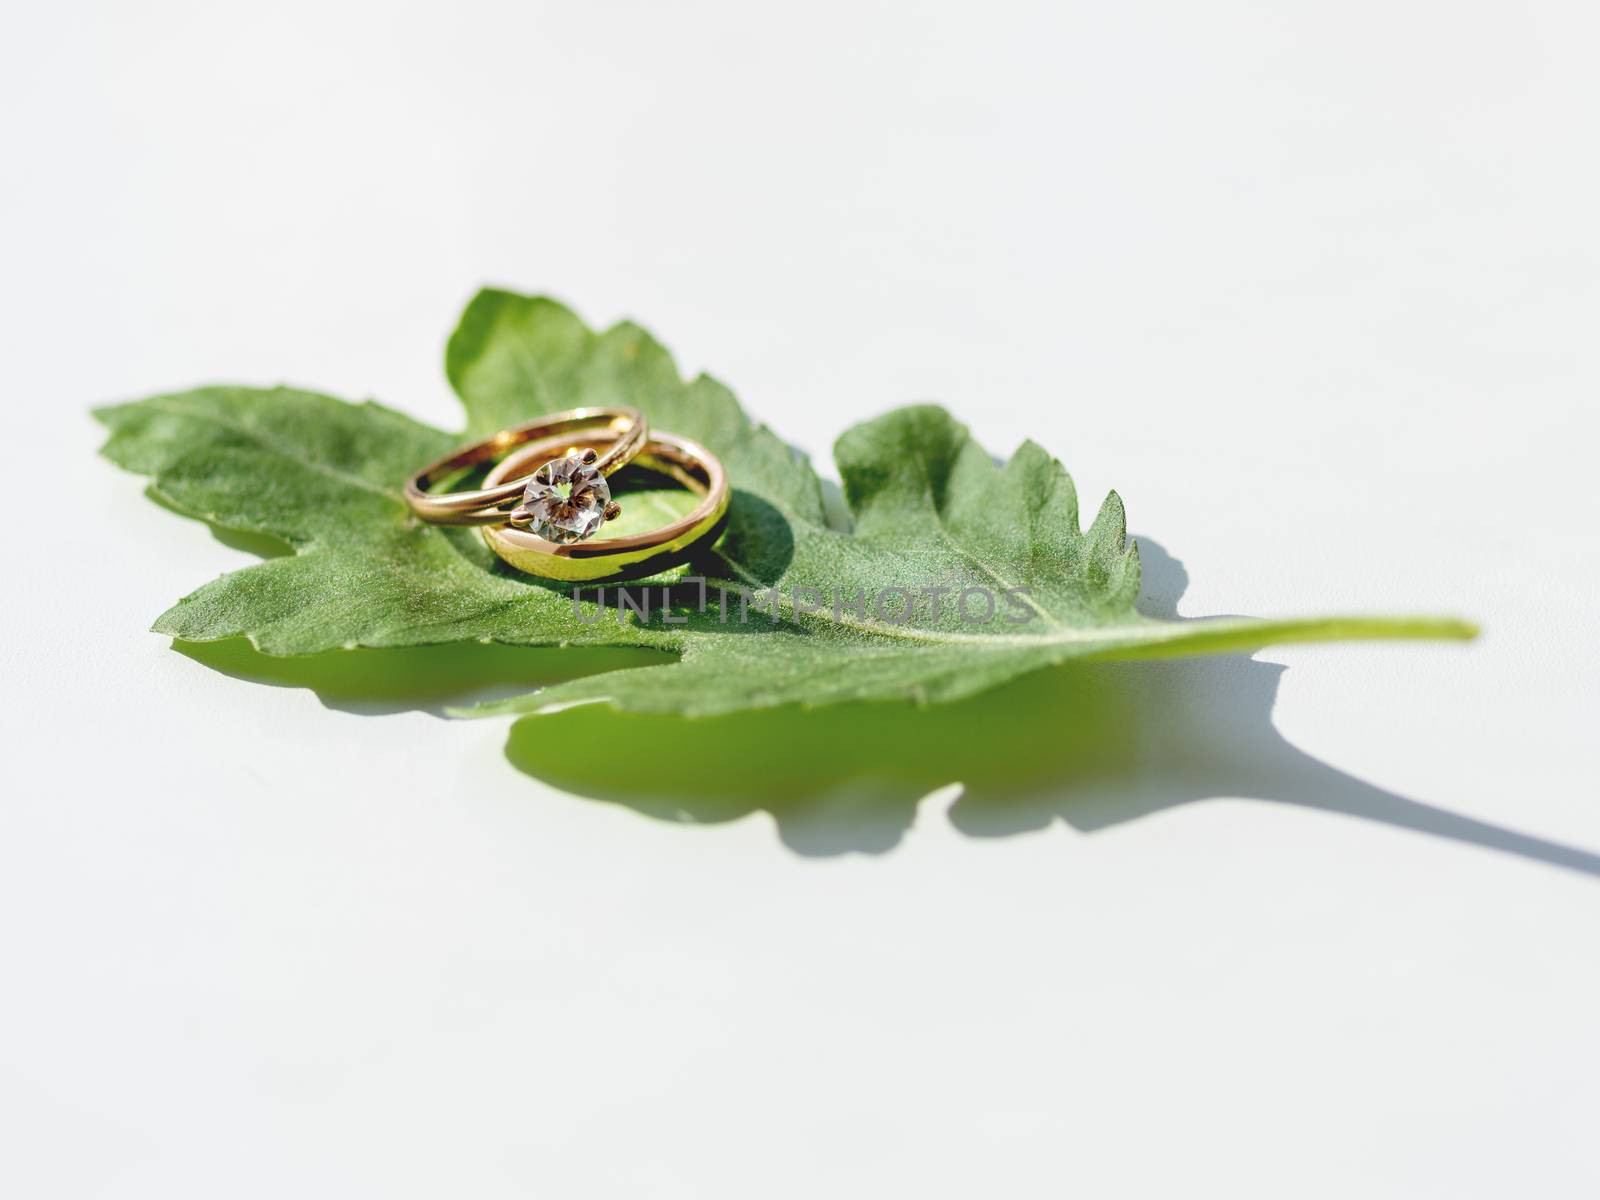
{"x":548,"y":534}
{"x":567,"y":499}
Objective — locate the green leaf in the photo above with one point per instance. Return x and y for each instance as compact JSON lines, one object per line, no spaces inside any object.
{"x":873,"y":611}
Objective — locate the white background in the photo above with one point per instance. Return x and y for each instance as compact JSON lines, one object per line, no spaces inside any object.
{"x":1314,"y":286}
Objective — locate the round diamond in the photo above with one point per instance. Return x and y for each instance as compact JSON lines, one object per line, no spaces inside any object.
{"x":567,"y":499}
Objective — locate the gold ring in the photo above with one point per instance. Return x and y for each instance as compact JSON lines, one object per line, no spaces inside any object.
{"x":621,"y":430}
{"x":638,"y":555}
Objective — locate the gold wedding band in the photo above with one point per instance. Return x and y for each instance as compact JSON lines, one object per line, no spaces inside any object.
{"x":638,"y":555}
{"x":621,"y":430}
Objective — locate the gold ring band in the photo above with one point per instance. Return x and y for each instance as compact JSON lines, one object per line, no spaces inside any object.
{"x":621,"y":430}
{"x":687,"y":462}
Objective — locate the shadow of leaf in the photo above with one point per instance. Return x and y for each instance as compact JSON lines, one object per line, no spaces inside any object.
{"x":1088,"y":744}
{"x":1091,"y":745}
{"x":416,"y":678}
